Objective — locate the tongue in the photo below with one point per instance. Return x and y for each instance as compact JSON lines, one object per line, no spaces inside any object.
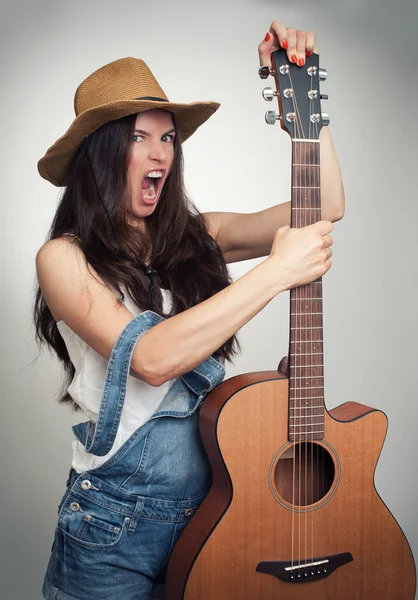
{"x":145,"y":183}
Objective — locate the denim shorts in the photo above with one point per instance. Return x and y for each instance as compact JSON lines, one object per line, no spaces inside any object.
{"x":113,"y":539}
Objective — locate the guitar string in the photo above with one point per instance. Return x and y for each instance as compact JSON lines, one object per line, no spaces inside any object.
{"x":317,"y":196}
{"x":311,"y":448}
{"x":306,"y":160}
{"x":296,"y":369}
{"x":313,"y":184}
{"x":311,"y":319}
{"x":293,"y":376}
{"x":298,"y":129}
{"x":314,"y":447}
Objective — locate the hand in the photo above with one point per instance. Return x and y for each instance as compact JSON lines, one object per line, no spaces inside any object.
{"x":297,"y":43}
{"x":300,"y":255}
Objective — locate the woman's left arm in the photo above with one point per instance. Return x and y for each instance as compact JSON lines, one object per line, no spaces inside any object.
{"x":242,"y":236}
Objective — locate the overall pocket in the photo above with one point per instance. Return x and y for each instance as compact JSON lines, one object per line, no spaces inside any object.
{"x":95,"y":523}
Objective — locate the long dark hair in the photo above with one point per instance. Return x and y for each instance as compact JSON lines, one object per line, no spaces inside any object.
{"x":93,"y":207}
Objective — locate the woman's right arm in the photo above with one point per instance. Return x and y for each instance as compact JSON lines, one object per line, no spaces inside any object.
{"x":178,"y":344}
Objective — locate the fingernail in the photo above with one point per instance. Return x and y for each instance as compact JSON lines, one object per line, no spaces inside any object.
{"x":266,"y":39}
{"x":309,"y":53}
{"x":285,"y":44}
{"x":294,"y":58}
{"x":301,"y":62}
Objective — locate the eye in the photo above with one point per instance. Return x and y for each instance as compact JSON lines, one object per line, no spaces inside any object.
{"x":169,"y":135}
{"x":137,"y":136}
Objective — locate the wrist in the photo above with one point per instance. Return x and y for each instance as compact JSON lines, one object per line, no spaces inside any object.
{"x":275,"y":275}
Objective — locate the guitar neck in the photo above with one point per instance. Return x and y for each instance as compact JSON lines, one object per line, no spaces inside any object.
{"x":306,"y":379}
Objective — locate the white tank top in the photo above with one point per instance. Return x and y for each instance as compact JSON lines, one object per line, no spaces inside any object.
{"x":86,"y":389}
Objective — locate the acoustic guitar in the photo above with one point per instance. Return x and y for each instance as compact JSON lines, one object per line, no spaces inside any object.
{"x":293,"y":513}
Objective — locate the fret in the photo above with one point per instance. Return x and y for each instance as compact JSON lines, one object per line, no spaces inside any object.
{"x":306,"y":366}
{"x":306,"y":377}
{"x":307,"y":432}
{"x":304,"y":165}
{"x":300,"y":299}
{"x":308,"y":406}
{"x":305,"y":424}
{"x":303,"y":140}
{"x":308,"y":284}
{"x":305,"y":313}
{"x":308,"y":417}
{"x":303,"y":187}
{"x":307,"y":208}
{"x":320,"y":406}
{"x":302,"y":327}
{"x":307,"y":354}
{"x":316,"y":387}
{"x":306,"y":341}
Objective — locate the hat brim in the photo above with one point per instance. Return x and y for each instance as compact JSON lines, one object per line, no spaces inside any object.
{"x":53,"y":166}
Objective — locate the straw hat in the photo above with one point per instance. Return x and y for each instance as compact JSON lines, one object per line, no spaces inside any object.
{"x":120,"y":88}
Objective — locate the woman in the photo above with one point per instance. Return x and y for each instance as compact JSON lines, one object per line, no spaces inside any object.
{"x":136,"y":300}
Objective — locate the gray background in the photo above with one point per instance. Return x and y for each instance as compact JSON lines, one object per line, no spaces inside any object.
{"x":234,"y":163}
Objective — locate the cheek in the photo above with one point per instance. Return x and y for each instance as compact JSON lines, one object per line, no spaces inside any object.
{"x":171,"y":158}
{"x":138,"y":156}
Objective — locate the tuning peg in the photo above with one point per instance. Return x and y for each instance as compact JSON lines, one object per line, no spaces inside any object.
{"x":324,"y":96}
{"x":323,"y":74}
{"x":268,"y":94}
{"x":325,"y":118}
{"x":264,"y":72}
{"x":271,"y":117}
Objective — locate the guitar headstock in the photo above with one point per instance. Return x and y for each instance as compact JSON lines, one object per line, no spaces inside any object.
{"x":298,"y":95}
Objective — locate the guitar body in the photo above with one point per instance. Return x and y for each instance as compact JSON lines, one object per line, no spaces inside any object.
{"x":251,"y":516}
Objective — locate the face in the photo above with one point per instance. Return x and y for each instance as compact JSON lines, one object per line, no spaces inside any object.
{"x":152,"y":154}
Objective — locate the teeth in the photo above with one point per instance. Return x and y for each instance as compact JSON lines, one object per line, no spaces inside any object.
{"x":155,"y":174}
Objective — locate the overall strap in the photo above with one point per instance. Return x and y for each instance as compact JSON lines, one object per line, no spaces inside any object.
{"x":98,"y":438}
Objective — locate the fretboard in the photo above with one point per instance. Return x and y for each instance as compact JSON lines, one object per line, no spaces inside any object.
{"x":306,"y":378}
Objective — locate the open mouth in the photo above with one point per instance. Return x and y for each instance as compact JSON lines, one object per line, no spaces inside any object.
{"x":151,"y":186}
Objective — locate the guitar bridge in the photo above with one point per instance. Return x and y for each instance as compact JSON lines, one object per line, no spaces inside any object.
{"x":304,"y":570}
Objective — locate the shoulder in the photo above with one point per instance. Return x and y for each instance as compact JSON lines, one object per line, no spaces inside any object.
{"x":63,"y":272}
{"x":76,"y":294}
{"x":62,"y":251}
{"x":213,"y":222}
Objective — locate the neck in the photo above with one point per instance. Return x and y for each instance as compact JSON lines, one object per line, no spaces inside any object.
{"x":306,"y":379}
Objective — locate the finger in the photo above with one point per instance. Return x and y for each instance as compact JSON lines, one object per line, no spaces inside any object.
{"x":278,"y":29}
{"x":291,"y":51}
{"x":300,"y":47}
{"x":268,"y":45}
{"x":323,"y":227}
{"x":327,"y":240}
{"x":310,"y":43}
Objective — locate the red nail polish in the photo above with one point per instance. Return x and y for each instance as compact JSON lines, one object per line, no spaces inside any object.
{"x":301,"y":62}
{"x":266,"y":39}
{"x":285,"y":44}
{"x":294,"y":58}
{"x":309,"y":53}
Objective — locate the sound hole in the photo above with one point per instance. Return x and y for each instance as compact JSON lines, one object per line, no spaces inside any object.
{"x":304,"y":474}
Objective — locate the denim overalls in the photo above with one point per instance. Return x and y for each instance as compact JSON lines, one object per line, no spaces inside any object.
{"x":118,"y":523}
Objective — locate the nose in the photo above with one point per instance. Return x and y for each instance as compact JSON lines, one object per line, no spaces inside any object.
{"x":158,"y":151}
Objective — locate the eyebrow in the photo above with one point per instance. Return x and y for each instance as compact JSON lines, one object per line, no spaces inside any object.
{"x":146,"y":132}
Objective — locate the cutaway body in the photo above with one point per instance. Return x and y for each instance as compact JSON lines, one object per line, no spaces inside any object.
{"x":252,"y":516}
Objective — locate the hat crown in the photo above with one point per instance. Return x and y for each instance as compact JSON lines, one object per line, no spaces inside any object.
{"x":123,"y":79}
